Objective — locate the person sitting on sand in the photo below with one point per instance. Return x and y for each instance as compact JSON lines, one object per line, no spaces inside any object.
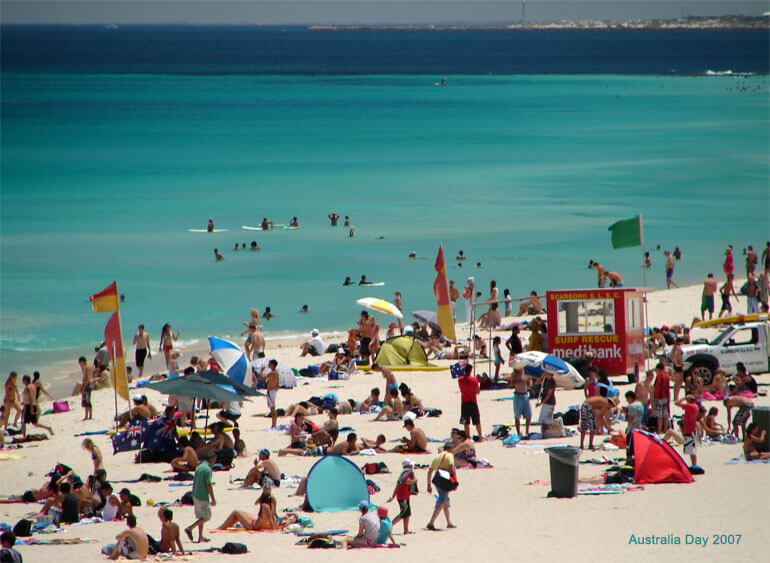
{"x":368,"y":528}
{"x":188,"y":461}
{"x":315,"y":346}
{"x":131,"y":543}
{"x":463,"y":449}
{"x":265,"y":472}
{"x":373,"y":400}
{"x":296,"y":429}
{"x":718,"y":388}
{"x":491,"y":318}
{"x":327,"y":435}
{"x":531,"y":306}
{"x":265,"y":519}
{"x":220,"y":440}
{"x":170,"y":539}
{"x":7,"y":553}
{"x":411,"y":402}
{"x":480,"y":345}
{"x":139,"y":411}
{"x":416,"y":442}
{"x":710,"y":427}
{"x":754,"y":436}
{"x":346,"y":447}
{"x":112,"y":506}
{"x":392,"y":408}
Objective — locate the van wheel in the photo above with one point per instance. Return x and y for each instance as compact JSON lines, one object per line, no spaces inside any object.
{"x":704,"y":371}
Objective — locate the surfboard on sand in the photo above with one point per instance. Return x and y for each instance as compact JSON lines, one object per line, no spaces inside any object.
{"x":733,"y":319}
{"x":207,"y":231}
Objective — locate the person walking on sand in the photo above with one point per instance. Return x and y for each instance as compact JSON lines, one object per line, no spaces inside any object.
{"x":661,"y":397}
{"x":10,"y":401}
{"x":202,"y":491}
{"x":669,"y":270}
{"x":469,"y":407}
{"x":725,"y":291}
{"x":444,"y":461}
{"x":752,"y":294}
{"x":142,"y":344}
{"x":29,"y":407}
{"x":707,"y":298}
{"x":85,"y":387}
{"x":167,"y":339}
{"x":406,"y":481}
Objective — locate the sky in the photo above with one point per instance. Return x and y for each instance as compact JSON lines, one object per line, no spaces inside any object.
{"x":342,"y":12}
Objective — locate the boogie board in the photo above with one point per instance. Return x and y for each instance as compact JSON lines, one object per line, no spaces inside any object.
{"x":733,"y":319}
{"x":207,"y":231}
{"x":367,"y":284}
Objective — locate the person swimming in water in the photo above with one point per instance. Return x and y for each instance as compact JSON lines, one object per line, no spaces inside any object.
{"x":218,"y":255}
{"x":254,"y":245}
{"x":412,"y":254}
{"x":363,"y":281}
{"x":303,"y":309}
{"x":210,"y":226}
{"x":266,"y":224}
{"x":460,"y":256}
{"x":267,"y":315}
{"x":236,"y":246}
{"x":294,"y":222}
{"x":347,"y":281}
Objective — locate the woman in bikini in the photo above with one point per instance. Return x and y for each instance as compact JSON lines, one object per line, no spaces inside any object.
{"x":265,"y":520}
{"x":11,"y":399}
{"x":96,"y":457}
{"x":167,"y":338}
{"x":392,"y":408}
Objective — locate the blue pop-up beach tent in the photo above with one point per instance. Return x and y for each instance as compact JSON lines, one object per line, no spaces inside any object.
{"x":335,"y":483}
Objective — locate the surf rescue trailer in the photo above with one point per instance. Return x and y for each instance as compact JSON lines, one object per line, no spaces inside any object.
{"x":607,"y":322}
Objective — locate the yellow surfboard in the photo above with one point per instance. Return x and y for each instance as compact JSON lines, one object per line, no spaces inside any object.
{"x":733,"y":319}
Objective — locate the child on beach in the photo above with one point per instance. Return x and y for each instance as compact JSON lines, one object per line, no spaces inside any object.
{"x":405,"y":484}
{"x":498,"y":356}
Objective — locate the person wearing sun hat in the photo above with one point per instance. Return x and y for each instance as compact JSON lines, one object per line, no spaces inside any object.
{"x":386,"y":527}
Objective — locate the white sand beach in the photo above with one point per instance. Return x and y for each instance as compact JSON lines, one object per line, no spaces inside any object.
{"x":498,"y":515}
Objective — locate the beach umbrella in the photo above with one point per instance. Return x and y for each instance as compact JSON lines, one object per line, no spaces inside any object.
{"x":194,"y":385}
{"x":380,"y":305}
{"x":536,"y":363}
{"x":230,"y":357}
{"x":228,"y":383}
{"x":427,"y":317}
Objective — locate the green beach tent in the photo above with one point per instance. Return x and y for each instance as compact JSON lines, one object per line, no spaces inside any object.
{"x":401,"y":351}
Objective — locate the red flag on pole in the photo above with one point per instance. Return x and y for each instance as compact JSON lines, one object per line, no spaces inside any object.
{"x":114,"y":342}
{"x":441,"y":291}
{"x":106,"y":299}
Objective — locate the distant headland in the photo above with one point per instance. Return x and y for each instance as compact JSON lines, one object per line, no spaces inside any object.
{"x":735,"y":23}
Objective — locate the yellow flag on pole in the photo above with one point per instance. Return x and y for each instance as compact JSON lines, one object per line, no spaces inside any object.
{"x":114,"y":342}
{"x":106,"y":300}
{"x":440,"y":289}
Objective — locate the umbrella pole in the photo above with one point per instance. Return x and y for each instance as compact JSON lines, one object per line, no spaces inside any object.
{"x":206,"y":427}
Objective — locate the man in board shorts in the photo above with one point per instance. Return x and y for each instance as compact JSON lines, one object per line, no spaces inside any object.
{"x":469,"y":407}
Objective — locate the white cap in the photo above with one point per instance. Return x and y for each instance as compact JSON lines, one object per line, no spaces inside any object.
{"x":314,"y":332}
{"x":407,"y":463}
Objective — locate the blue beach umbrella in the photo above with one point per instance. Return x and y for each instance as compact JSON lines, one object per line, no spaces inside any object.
{"x":230,"y":358}
{"x":536,"y":363}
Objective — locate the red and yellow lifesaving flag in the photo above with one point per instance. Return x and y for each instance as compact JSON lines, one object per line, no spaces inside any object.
{"x":114,"y":342}
{"x":106,"y":300}
{"x":444,"y":310}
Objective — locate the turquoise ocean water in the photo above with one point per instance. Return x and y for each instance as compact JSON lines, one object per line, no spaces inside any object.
{"x":102,"y":175}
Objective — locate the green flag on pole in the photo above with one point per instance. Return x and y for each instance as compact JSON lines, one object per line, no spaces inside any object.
{"x":627,"y":233}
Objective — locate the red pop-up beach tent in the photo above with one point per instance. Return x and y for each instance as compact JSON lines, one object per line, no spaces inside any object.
{"x":655,"y":461}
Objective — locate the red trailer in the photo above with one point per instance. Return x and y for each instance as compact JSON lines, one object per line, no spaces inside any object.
{"x":607,"y":322}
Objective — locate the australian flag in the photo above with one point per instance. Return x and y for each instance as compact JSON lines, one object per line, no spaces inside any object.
{"x":130,"y":439}
{"x":458,"y":369}
{"x":160,"y":435}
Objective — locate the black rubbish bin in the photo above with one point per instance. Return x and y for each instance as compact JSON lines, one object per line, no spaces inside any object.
{"x":761,"y":417}
{"x":564,"y":471}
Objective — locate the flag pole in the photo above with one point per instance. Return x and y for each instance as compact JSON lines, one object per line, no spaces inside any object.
{"x":644,"y":289}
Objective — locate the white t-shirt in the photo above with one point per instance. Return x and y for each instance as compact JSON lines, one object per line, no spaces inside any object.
{"x":371,"y":525}
{"x":234,"y":408}
{"x":317,"y":343}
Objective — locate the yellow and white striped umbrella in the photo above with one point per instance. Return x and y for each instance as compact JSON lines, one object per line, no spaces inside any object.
{"x":380,"y":305}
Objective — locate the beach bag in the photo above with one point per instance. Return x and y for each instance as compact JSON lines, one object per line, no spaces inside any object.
{"x":372,"y":468}
{"x":61,"y":406}
{"x":571,"y":417}
{"x":233,"y":548}
{"x":187,"y":498}
{"x":320,"y":542}
{"x":512,"y":440}
{"x":444,"y":480}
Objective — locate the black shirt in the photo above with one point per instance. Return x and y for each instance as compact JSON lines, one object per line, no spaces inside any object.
{"x":548,"y":384}
{"x":514,"y":344}
{"x":70,"y":511}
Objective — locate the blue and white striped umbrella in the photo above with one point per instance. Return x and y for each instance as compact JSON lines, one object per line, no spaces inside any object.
{"x":536,"y":363}
{"x":230,"y":358}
